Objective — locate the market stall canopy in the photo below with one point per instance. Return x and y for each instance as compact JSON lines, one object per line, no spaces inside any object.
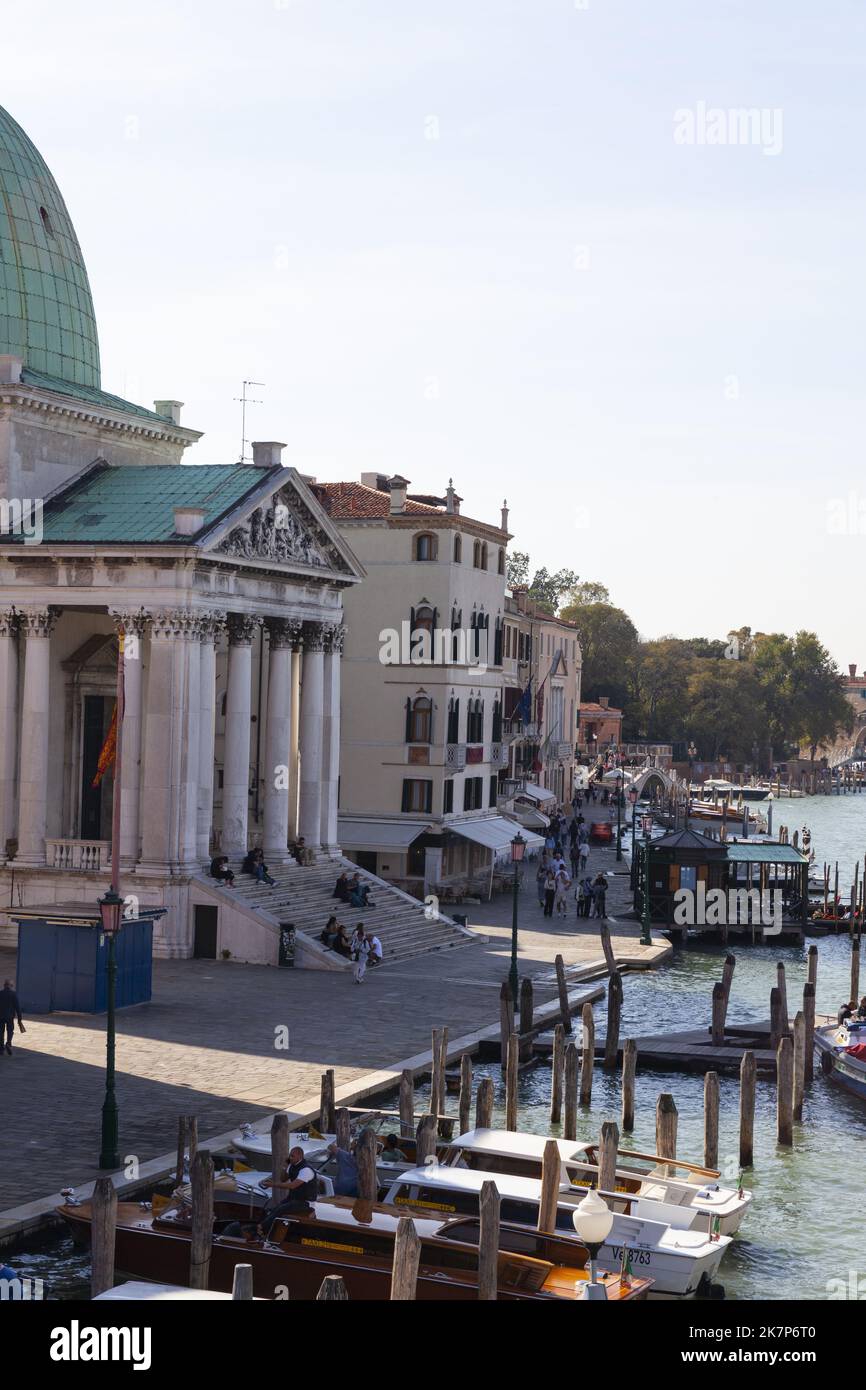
{"x":378,"y":834}
{"x":496,"y":833}
{"x":536,"y":793}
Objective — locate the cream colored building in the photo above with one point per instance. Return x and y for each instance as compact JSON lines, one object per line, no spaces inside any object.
{"x":424,"y":745}
{"x":542,"y":656}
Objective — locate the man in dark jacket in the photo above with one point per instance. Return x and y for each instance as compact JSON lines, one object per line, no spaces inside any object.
{"x":10,"y":1010}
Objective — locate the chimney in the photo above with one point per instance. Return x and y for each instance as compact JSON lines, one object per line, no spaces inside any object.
{"x":188,"y":521}
{"x":852,"y":670}
{"x":451,"y":503}
{"x":504,"y":518}
{"x":171,"y":409}
{"x":10,"y":369}
{"x":372,"y":480}
{"x":398,"y":488}
{"x":267,"y":454}
{"x":604,"y":701}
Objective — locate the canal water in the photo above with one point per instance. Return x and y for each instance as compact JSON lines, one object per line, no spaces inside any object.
{"x":805,"y":1228}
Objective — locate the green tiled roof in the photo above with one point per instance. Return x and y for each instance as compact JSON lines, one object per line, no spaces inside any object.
{"x":758,"y":853}
{"x":89,"y":395}
{"x":136,"y":504}
{"x":46,"y":310}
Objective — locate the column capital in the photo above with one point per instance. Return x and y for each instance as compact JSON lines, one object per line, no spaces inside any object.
{"x":181,"y":623}
{"x":283,"y":632}
{"x":213,"y":625}
{"x":242,"y":628}
{"x":39,"y":622}
{"x":10,"y":622}
{"x":313,"y":637}
{"x":128,"y":622}
{"x":335,"y":636}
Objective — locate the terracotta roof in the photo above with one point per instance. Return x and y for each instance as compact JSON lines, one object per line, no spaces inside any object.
{"x":592,"y":708}
{"x":346,"y":500}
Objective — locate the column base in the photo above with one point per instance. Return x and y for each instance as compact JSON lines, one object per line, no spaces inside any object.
{"x":29,"y":861}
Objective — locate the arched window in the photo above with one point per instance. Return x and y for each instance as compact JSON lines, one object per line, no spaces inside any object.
{"x":419,"y":720}
{"x":497,"y":643}
{"x":453,"y":721}
{"x":484,"y":557}
{"x":458,"y":550}
{"x":422,"y":625}
{"x":496,"y":734}
{"x":426,"y":547}
{"x":476,"y":555}
{"x":500,"y":566}
{"x":475,"y":722}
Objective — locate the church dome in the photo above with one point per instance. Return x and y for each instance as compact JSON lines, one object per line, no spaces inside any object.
{"x":46,"y":310}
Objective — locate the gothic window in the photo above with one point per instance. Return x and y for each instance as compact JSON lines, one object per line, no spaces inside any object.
{"x":419,"y":720}
{"x":500,"y":564}
{"x":426,"y":547}
{"x":458,"y":550}
{"x":453,"y":721}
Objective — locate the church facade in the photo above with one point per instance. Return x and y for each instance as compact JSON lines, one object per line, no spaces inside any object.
{"x":226,"y":582}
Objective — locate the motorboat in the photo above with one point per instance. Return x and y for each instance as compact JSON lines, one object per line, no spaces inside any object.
{"x":255,"y":1146}
{"x":695,"y":1202}
{"x":354,"y":1239}
{"x":842,"y":1048}
{"x":680,"y":1262}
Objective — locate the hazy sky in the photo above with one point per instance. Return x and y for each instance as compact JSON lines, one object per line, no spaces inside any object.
{"x":466,"y":239}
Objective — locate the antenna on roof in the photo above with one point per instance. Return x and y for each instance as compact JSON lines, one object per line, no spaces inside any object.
{"x":246,"y":400}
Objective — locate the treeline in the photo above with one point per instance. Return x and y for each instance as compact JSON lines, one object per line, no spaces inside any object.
{"x":747,"y":697}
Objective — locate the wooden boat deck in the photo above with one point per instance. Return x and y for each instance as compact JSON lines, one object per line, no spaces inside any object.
{"x":693,"y":1051}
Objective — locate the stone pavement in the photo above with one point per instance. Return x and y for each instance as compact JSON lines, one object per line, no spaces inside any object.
{"x":210,"y":1042}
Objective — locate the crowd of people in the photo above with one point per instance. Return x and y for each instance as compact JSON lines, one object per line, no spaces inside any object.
{"x":553,"y":880}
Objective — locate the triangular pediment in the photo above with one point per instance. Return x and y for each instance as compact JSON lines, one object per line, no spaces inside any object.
{"x":282,"y":526}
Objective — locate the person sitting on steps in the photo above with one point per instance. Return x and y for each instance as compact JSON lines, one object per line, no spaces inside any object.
{"x":219,"y":869}
{"x":254,"y":864}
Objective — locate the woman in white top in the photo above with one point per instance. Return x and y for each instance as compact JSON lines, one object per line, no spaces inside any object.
{"x":360,"y":952}
{"x":563,"y":883}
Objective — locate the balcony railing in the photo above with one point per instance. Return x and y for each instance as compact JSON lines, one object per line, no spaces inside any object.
{"x":455,"y":756}
{"x":499,"y":756}
{"x":82,"y":856}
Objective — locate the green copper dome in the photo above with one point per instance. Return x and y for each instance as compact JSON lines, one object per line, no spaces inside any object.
{"x":46,"y":312}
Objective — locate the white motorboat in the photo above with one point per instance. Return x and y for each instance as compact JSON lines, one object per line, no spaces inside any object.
{"x":695,"y":1202}
{"x":256,"y":1149}
{"x":681,"y":1262}
{"x":842,"y":1048}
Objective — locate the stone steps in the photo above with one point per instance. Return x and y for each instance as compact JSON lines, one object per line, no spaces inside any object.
{"x":304,"y":896}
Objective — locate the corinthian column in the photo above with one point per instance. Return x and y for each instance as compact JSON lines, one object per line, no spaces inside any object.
{"x":37,"y":625}
{"x":277,"y":770}
{"x":236,"y":766}
{"x":211,"y":627}
{"x":8,"y":725}
{"x":334,"y":637}
{"x":169,"y":715}
{"x":133,"y":626}
{"x":312,"y":683}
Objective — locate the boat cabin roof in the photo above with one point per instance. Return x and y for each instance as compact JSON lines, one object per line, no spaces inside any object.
{"x":516,"y":1145}
{"x":469,"y":1180}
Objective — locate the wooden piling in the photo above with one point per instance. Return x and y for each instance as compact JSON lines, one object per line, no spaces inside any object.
{"x":191,"y":1139}
{"x":855,"y":970}
{"x":511,"y":1070}
{"x":407,"y":1104}
{"x":569,"y":1123}
{"x":783,"y":998}
{"x":181,"y":1149}
{"x":526,"y":1010}
{"x":343,"y":1128}
{"x":464,"y":1105}
{"x":550,"y":1179}
{"x":809,"y":1015}
{"x":242,"y":1284}
{"x":488,"y":1242}
{"x":201,"y":1176}
{"x":608,"y":1145}
{"x":425,"y":1140}
{"x":562,"y":987}
{"x":506,"y":1019}
{"x":556,"y":1069}
{"x":326,"y":1103}
{"x":799,"y":1064}
{"x":607,"y":948}
{"x":407,"y":1257}
{"x":785,"y":1092}
{"x":587,"y":1057}
{"x":719,"y":1007}
{"x":443,"y":1067}
{"x":614,"y":1017}
{"x":812,"y":969}
{"x":279,"y":1145}
{"x":728,"y":976}
{"x":435,"y":1072}
{"x":629,"y":1067}
{"x":365,"y":1157}
{"x":711,"y":1119}
{"x":666,"y":1129}
{"x":332,"y":1287}
{"x":484,"y":1104}
{"x":776,"y":1029}
{"x":748,"y":1076}
{"x":103,"y":1228}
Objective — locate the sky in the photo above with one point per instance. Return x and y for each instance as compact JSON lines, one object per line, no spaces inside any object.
{"x":526,"y":244}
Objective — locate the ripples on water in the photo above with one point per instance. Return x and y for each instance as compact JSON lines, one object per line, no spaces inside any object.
{"x":806,"y":1225}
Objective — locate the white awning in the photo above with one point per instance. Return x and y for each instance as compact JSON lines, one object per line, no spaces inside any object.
{"x":495,"y":832}
{"x":378,"y":834}
{"x":536,"y":793}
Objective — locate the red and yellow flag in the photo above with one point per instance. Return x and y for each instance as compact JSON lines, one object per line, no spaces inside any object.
{"x":109,"y":750}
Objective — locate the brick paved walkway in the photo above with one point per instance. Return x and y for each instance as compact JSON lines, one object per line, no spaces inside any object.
{"x":205,"y":1045}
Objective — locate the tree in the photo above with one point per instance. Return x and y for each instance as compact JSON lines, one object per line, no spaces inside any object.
{"x":659,"y":687}
{"x":547,"y":589}
{"x":518,"y":569}
{"x":609,"y":644}
{"x":588,"y":591}
{"x":819,"y":708}
{"x":724,"y":711}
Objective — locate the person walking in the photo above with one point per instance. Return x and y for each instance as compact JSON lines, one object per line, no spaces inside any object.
{"x":599,"y":893}
{"x":563,"y":883}
{"x":587,"y":896}
{"x":549,"y":893}
{"x":10,"y":1011}
{"x":360,"y":953}
{"x":540,"y":876}
{"x":583,"y":855}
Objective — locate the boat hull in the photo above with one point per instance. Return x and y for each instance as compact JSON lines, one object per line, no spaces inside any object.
{"x":845,"y":1070}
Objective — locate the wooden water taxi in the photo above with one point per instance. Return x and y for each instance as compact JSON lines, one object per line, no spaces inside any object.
{"x":842,"y":1048}
{"x":355,"y":1240}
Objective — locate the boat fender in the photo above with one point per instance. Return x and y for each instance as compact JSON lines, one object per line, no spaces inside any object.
{"x":717,"y":1292}
{"x":826,"y":1063}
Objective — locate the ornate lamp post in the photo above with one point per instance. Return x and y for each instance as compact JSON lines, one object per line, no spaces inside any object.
{"x":111,"y":912}
{"x":646,"y":933}
{"x":593,"y":1223}
{"x":632,"y":796}
{"x":619,"y":818}
{"x":518,"y":849}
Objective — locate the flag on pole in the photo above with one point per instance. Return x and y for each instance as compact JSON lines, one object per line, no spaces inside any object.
{"x":109,"y":750}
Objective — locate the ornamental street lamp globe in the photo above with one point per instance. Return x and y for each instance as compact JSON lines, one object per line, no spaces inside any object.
{"x":593,"y":1223}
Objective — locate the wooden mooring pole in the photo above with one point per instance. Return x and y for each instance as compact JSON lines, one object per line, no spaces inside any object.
{"x":103,"y":1228}
{"x":562,"y":987}
{"x":484,"y":1104}
{"x":550,"y":1179}
{"x":506,"y":1019}
{"x":719,"y":1008}
{"x":785,"y":1092}
{"x":666,"y":1129}
{"x":488,"y":1242}
{"x":711,"y":1120}
{"x":326,"y":1103}
{"x":629,"y":1068}
{"x":855,"y":969}
{"x":569,"y":1123}
{"x":365,"y":1157}
{"x":556,"y":1071}
{"x":614,"y":1017}
{"x":587,"y":1058}
{"x":748,"y":1077}
{"x":407,"y":1257}
{"x":464,"y":1105}
{"x":608,"y":1145}
{"x":201,"y":1240}
{"x":809,"y":1015}
{"x":799,"y":1064}
{"x":406,"y":1104}
{"x":511,"y":1072}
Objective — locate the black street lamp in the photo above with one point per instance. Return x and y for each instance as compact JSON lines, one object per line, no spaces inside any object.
{"x":632,"y":796}
{"x":646,"y":938}
{"x":111,"y":912}
{"x":619,"y":818}
{"x":518,"y":849}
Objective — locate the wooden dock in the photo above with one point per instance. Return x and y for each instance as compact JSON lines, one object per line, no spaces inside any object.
{"x":693,"y":1051}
